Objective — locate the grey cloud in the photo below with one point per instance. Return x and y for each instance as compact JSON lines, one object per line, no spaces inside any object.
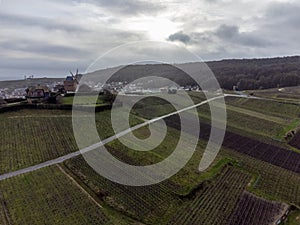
{"x":54,"y":59}
{"x":180,"y":36}
{"x":233,"y":34}
{"x":283,"y":11}
{"x":41,"y":48}
{"x":49,"y":24}
{"x":223,"y":34}
{"x":26,"y":64}
{"x":128,"y":7}
{"x":274,"y":31}
{"x":39,"y":67}
{"x":254,"y":40}
{"x":282,"y":20}
{"x":227,"y":32}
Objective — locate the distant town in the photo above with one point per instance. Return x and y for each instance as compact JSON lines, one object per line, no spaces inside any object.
{"x":49,"y":91}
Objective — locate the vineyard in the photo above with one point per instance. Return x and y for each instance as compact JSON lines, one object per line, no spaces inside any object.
{"x":249,"y":122}
{"x":46,"y":197}
{"x":242,"y":117}
{"x":32,"y":140}
{"x":273,"y":108}
{"x":277,"y":156}
{"x":146,"y":203}
{"x":215,"y":202}
{"x":271,"y":181}
{"x":35,"y":136}
{"x":253,"y":210}
{"x":272,"y":154}
{"x":244,"y":185}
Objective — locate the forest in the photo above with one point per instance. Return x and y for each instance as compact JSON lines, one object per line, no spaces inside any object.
{"x":250,"y":74}
{"x":245,"y":74}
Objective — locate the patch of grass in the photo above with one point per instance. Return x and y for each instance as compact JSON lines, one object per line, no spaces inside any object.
{"x":293,"y":218}
{"x":287,"y":128}
{"x":82,"y":100}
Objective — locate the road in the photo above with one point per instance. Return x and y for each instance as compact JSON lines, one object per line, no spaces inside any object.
{"x":110,"y":139}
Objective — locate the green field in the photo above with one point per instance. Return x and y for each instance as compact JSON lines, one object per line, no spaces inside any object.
{"x":73,"y":193}
{"x":47,"y":197}
{"x":269,"y":181}
{"x":35,"y":136}
{"x":82,"y":100}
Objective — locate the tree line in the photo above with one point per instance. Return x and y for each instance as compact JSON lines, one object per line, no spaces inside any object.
{"x":249,"y":74}
{"x":246,"y":74}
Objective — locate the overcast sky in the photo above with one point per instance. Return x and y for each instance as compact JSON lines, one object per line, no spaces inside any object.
{"x":51,"y":37}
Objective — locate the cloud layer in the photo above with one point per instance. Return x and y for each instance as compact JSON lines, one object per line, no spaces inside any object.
{"x":43,"y":37}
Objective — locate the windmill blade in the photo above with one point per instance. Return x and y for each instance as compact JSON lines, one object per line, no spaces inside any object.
{"x":71,"y":73}
{"x":77,"y":72}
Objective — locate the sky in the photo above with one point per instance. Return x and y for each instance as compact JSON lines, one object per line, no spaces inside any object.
{"x":48,"y":38}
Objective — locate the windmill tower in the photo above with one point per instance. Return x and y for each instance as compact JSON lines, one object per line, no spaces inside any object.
{"x":71,"y":82}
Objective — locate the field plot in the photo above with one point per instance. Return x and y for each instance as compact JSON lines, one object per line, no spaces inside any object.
{"x":272,"y":182}
{"x":187,"y":178}
{"x":242,"y":116}
{"x":31,"y":140}
{"x":149,"y":204}
{"x":47,"y":197}
{"x":272,"y":154}
{"x":215,"y":202}
{"x":253,"y":210}
{"x":254,"y":122}
{"x":30,"y":137}
{"x":268,"y":107}
{"x":277,"y":156}
{"x":287,"y":93}
{"x":82,"y":99}
{"x":249,"y":122}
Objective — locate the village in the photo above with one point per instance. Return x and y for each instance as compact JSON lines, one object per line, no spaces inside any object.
{"x":52,"y":92}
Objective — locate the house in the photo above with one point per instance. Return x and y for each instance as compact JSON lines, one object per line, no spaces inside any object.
{"x":38,"y":93}
{"x":163,"y":90}
{"x":172,"y":90}
{"x":59,"y":88}
{"x":70,"y":84}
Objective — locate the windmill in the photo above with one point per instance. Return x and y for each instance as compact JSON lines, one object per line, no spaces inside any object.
{"x":74,"y":76}
{"x":71,"y":82}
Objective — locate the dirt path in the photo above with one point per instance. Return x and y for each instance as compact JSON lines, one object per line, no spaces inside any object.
{"x":4,"y":215}
{"x":79,"y":186}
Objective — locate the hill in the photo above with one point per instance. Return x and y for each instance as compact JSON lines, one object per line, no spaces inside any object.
{"x":14,"y":84}
{"x":247,"y":74}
